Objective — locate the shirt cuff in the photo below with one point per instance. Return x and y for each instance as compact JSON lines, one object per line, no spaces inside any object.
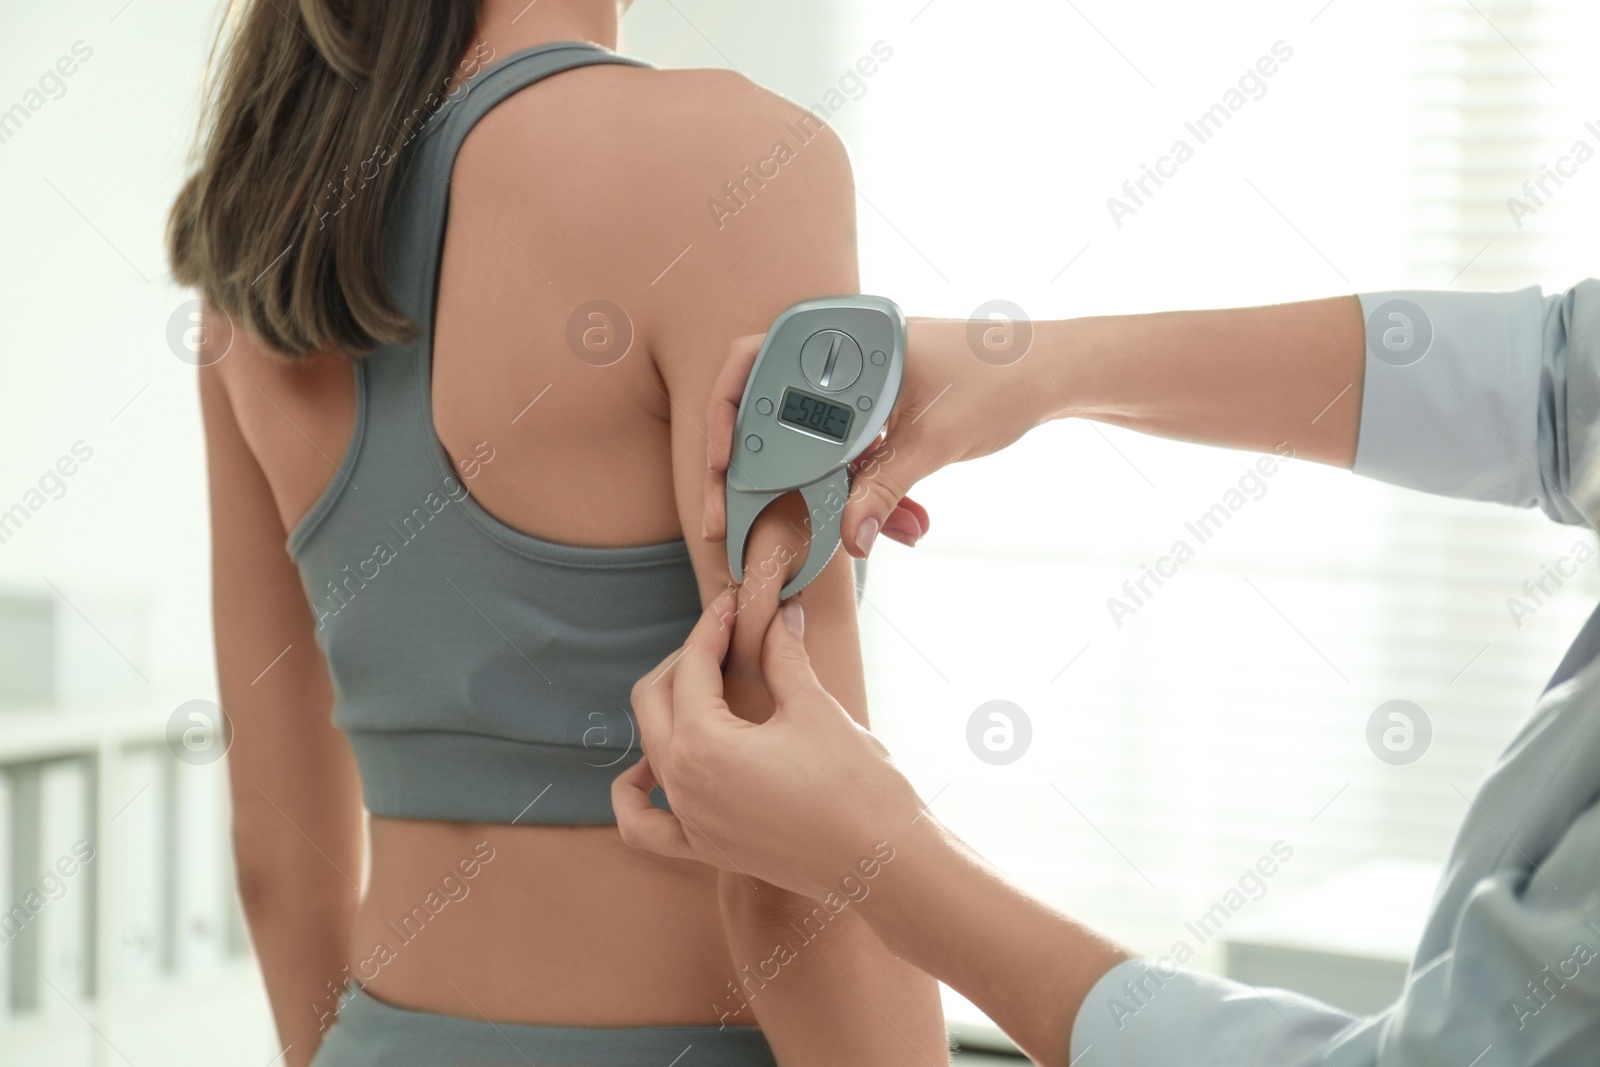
{"x":1450,"y":404}
{"x":1149,"y":1013}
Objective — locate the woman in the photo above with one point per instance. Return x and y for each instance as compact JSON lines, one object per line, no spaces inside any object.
{"x":472,"y":304}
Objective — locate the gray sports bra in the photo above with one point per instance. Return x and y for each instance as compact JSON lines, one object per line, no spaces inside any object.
{"x":481,"y":674}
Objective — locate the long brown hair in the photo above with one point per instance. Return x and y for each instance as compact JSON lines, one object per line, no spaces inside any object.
{"x":301,"y":146}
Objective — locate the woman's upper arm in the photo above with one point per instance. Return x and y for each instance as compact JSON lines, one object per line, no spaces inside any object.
{"x":290,"y":771}
{"x":792,"y":238}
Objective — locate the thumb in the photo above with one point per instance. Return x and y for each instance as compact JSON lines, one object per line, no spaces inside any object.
{"x":785,"y":664}
{"x":877,"y":491}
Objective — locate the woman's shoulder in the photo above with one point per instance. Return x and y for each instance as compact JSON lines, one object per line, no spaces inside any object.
{"x":642,"y":140}
{"x":717,"y":103}
{"x":700,"y":101}
{"x":697,"y":201}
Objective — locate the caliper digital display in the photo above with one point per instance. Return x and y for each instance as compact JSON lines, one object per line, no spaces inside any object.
{"x":807,"y":412}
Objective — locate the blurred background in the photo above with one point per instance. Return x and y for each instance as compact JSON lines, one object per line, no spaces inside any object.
{"x":1323,"y":682}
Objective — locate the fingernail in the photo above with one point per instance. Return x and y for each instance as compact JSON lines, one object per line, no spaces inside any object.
{"x":866,"y":533}
{"x":794,"y":617}
{"x":903,"y":530}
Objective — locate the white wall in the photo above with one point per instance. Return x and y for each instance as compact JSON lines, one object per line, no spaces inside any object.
{"x":85,"y":301}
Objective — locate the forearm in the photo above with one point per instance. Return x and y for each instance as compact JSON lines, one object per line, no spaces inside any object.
{"x":1247,"y":378}
{"x":300,"y":924}
{"x":940,"y":907}
{"x":1250,"y":378}
{"x":299,"y":847}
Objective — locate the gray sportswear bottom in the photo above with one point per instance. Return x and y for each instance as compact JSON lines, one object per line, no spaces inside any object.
{"x":369,"y":1033}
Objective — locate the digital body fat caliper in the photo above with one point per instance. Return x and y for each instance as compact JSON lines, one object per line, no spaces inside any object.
{"x":822,"y":388}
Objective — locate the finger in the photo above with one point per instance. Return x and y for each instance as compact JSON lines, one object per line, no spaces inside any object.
{"x":714,"y":521}
{"x":641,"y":824}
{"x":714,"y":631}
{"x":908,"y":523}
{"x":726,"y":392}
{"x":785,"y":664}
{"x":652,"y":710}
{"x":917,"y":513}
{"x":653,"y":694}
{"x":881,"y":482}
{"x":900,"y":537}
{"x":697,"y":674}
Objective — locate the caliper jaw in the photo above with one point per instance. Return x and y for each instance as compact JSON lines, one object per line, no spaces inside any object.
{"x":825,"y":501}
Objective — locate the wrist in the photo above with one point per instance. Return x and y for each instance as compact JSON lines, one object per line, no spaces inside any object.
{"x":1031,"y":383}
{"x":1061,"y":372}
{"x":865,"y":843}
{"x":914,"y":855}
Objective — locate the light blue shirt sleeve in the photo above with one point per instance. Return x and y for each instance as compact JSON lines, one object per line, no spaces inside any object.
{"x":1484,"y":396}
{"x":1491,"y":397}
{"x":1514,"y":983}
